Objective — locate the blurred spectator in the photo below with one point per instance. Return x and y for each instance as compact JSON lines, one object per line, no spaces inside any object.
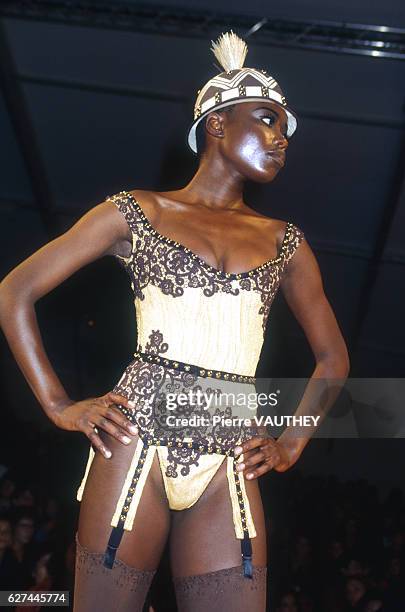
{"x":9,"y":566}
{"x":25,"y":550}
{"x":7,"y":489}
{"x":288,"y":603}
{"x":356,"y":589}
{"x":42,"y":581}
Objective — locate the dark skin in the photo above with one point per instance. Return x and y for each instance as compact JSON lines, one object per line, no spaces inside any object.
{"x":208,"y":216}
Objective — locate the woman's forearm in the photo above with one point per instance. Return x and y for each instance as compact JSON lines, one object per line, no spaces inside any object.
{"x":19,"y":323}
{"x":320,"y":394}
{"x":94,"y":235}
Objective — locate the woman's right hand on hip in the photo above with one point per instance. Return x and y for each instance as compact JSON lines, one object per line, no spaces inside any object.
{"x":95,"y":413}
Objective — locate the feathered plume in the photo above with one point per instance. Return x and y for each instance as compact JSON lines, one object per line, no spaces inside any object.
{"x":230,"y":51}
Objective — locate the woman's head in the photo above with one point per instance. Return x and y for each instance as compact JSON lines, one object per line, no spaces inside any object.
{"x":249,"y":138}
{"x":232,"y":110}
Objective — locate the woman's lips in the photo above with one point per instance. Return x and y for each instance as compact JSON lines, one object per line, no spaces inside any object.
{"x":279,"y":158}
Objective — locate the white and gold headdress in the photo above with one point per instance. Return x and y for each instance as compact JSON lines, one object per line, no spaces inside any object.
{"x":235,"y":85}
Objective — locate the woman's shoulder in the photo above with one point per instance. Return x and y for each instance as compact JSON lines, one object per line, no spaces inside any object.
{"x":147,"y":202}
{"x":284,"y":230}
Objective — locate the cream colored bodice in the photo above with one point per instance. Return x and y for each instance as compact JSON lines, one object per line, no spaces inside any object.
{"x":187,"y":310}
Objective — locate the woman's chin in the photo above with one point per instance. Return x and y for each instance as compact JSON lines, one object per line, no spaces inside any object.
{"x":266,"y":175}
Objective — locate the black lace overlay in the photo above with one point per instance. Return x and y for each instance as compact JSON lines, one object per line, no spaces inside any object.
{"x":148,"y":385}
{"x":173,"y":267}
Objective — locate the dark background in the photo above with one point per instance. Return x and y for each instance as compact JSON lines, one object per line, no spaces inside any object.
{"x":97,"y":97}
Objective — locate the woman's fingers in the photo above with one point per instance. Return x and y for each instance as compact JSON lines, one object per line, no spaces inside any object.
{"x":96,"y":441}
{"x":100,"y":421}
{"x":115,"y":398}
{"x":260,"y":458}
{"x":253,"y":459}
{"x":117,"y":417}
{"x":114,"y":414}
{"x":106,"y":416}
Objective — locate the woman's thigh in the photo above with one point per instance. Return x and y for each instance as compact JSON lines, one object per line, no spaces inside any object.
{"x":203,"y":539}
{"x":141,"y":547}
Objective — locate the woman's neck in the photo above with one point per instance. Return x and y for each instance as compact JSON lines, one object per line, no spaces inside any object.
{"x":215,"y":184}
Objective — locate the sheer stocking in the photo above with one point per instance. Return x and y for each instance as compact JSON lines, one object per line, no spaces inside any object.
{"x":122,"y":588}
{"x":225,"y":589}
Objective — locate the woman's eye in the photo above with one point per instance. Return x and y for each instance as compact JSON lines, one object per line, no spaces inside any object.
{"x":267,"y":120}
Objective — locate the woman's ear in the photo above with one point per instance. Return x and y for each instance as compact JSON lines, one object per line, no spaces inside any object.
{"x":215,"y":125}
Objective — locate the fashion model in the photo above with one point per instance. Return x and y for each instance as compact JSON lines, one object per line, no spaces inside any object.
{"x":204,"y":269}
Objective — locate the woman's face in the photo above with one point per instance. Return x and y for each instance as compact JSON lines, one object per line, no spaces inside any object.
{"x":254,"y":139}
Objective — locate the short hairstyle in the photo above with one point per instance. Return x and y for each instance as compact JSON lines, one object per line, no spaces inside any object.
{"x":200,"y":130}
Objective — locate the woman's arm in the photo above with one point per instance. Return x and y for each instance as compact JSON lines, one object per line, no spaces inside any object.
{"x":302,"y":287}
{"x":101,"y":231}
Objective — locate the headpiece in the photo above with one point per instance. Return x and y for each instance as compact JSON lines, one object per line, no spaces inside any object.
{"x":235,"y":85}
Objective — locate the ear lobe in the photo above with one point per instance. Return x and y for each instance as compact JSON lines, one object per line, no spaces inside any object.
{"x":215,"y":125}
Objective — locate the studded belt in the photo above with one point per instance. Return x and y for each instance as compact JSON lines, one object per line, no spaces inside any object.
{"x":193,"y":369}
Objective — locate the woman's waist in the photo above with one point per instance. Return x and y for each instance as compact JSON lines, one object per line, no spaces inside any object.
{"x":180,"y":401}
{"x":211,"y":351}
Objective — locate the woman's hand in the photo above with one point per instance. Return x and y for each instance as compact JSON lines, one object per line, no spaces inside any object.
{"x":97,"y":412}
{"x":263,"y":453}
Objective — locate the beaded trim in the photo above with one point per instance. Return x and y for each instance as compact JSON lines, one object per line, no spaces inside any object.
{"x":270,"y":262}
{"x":204,"y":448}
{"x":132,"y":486}
{"x":193,"y":369}
{"x":241,"y":504}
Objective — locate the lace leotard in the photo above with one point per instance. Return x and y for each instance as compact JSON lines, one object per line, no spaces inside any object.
{"x":196,"y":326}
